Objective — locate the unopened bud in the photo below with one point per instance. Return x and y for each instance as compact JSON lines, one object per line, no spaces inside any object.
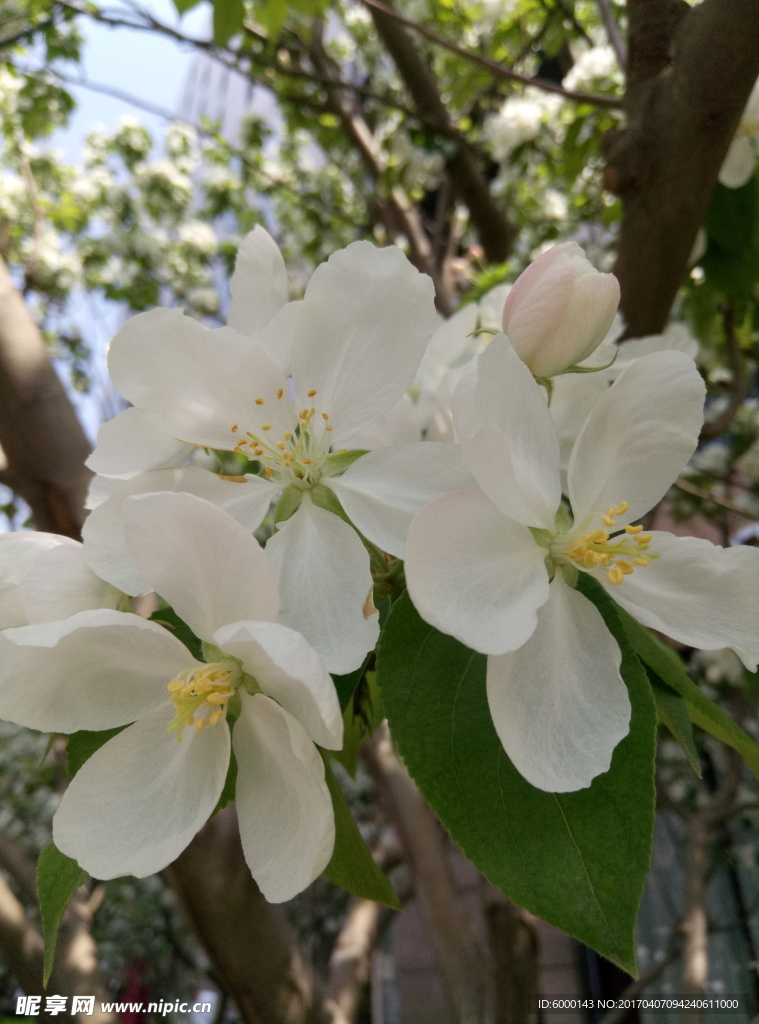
{"x":559,"y":310}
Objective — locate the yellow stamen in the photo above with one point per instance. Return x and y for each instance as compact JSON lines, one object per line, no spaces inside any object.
{"x":312,"y":392}
{"x":266,"y":426}
{"x":280,"y":392}
{"x":328,"y":427}
{"x":632,"y":530}
{"x":259,"y":401}
{"x":235,"y":427}
{"x":615,"y":574}
{"x":325,"y":415}
{"x":287,"y":435}
{"x":267,"y":470}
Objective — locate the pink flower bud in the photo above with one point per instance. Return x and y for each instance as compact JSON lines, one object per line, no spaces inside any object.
{"x":559,"y":310}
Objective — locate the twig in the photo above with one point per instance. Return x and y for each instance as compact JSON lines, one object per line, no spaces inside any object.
{"x":698,"y":492}
{"x":613,"y":34}
{"x":502,"y":72}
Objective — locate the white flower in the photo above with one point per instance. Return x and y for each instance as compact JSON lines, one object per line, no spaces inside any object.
{"x":597,"y":62}
{"x":139,"y":800}
{"x":738,"y":165}
{"x":307,"y":378}
{"x":559,"y":310}
{"x":198,"y":235}
{"x":574,"y":395}
{"x":519,"y":120}
{"x":44,"y":577}
{"x":496,"y":570}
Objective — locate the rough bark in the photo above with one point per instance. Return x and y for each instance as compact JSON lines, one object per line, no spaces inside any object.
{"x":515,"y":949}
{"x":462,"y":959}
{"x":493,"y":227}
{"x":689,"y":74}
{"x":43,"y":444}
{"x":249,"y":942}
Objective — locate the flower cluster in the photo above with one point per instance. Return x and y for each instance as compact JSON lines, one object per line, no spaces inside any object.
{"x":319,"y":416}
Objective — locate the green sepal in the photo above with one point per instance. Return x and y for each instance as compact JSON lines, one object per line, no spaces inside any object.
{"x":360,"y":718}
{"x":337,"y":462}
{"x":58,"y":878}
{"x":352,"y":866}
{"x":346,"y":684}
{"x":578,"y":860}
{"x":80,"y":746}
{"x":592,"y":369}
{"x":703,"y":711}
{"x":324,"y":497}
{"x":213,"y":653}
{"x":672,"y":710}
{"x":288,"y":504}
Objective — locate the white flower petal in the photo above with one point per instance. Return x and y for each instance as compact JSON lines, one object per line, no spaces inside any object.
{"x":508,"y":437}
{"x":140,"y":799}
{"x":195,"y":383}
{"x":19,"y":553}
{"x":739,"y":163}
{"x":367,"y":317}
{"x":209,"y":568}
{"x":638,"y":437}
{"x":131,"y":443}
{"x":287,"y":824}
{"x":101,"y":487}
{"x":384,"y":489}
{"x":475,"y":574}
{"x":259,"y":285}
{"x":399,"y":425}
{"x":61,"y":584}
{"x":105,"y":544}
{"x":698,"y":593}
{"x":276,"y":337}
{"x":288,"y":669}
{"x":559,"y":704}
{"x":96,"y":670}
{"x":325,"y":586}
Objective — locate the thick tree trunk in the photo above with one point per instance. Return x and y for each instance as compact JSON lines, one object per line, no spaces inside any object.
{"x":251,"y":945}
{"x":690,"y":72}
{"x":43,"y":444}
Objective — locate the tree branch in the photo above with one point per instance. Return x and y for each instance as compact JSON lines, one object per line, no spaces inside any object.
{"x":462,"y":958}
{"x":495,"y":232}
{"x":248,"y":940}
{"x":689,"y":74}
{"x":497,"y":69}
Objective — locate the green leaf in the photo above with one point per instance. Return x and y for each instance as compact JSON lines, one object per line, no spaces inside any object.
{"x":271,"y":14}
{"x":338,"y":462}
{"x":58,"y":878}
{"x":346,"y":685}
{"x":185,"y":5}
{"x":360,"y":718}
{"x":228,"y":16}
{"x":673,"y":713}
{"x":578,"y":860}
{"x":352,"y":866}
{"x":169,"y":619}
{"x":732,"y":214}
{"x":703,"y":711}
{"x":80,"y":746}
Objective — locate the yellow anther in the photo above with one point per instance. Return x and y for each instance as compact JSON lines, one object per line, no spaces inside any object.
{"x":625,"y":566}
{"x":303,"y":414}
{"x":615,"y":574}
{"x":632,"y":530}
{"x":200,"y":724}
{"x":644,"y":538}
{"x":287,"y":435}
{"x":621,"y":508}
{"x":281,"y":445}
{"x":266,"y":426}
{"x":328,"y":427}
{"x":641,"y":561}
{"x":267,"y":470}
{"x":608,"y":520}
{"x":215,"y":716}
{"x":176,"y":685}
{"x":259,"y":401}
{"x":589,"y":558}
{"x":258,"y":451}
{"x":306,"y":462}
{"x":280,"y":392}
{"x":235,"y":427}
{"x":325,"y":415}
{"x":191,"y":720}
{"x":312,"y":392}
